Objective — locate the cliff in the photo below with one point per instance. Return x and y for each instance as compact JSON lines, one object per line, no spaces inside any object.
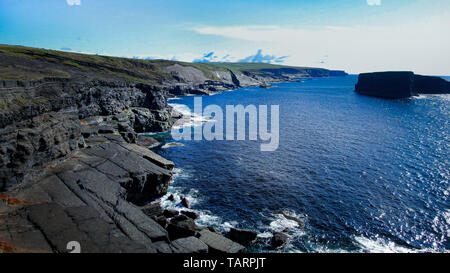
{"x":399,"y":85}
{"x":431,"y":85}
{"x":71,"y":168}
{"x":390,"y":85}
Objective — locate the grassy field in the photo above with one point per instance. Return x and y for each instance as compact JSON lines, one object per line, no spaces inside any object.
{"x":145,"y":71}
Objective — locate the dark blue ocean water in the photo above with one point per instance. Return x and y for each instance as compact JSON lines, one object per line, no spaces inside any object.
{"x":364,"y":174}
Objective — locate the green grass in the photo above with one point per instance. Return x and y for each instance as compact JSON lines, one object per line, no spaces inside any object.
{"x":132,"y":70}
{"x":23,"y":73}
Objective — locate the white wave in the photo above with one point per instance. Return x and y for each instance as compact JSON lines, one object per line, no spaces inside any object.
{"x":380,"y":246}
{"x":281,"y":224}
{"x":189,"y":119}
{"x":173,"y":98}
{"x":430,"y":96}
{"x":228,"y":225}
{"x":206,"y":219}
{"x":171,"y":144}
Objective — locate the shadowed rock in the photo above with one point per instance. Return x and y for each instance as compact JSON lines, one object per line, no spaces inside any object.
{"x":84,"y":199}
{"x":399,"y":85}
{"x":181,"y":226}
{"x":243,"y":236}
{"x":389,"y":85}
{"x":279,"y":240}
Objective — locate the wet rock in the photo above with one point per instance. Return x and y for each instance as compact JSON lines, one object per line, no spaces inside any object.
{"x":292,"y":218}
{"x":279,"y":240}
{"x":181,"y":226}
{"x":171,"y":198}
{"x":189,"y":245}
{"x":190,"y":214}
{"x":218,"y":243}
{"x":169,"y":213}
{"x":243,"y":236}
{"x":185,"y":202}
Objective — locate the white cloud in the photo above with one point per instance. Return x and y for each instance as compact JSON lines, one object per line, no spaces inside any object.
{"x":73,"y":2}
{"x":374,"y":2}
{"x":420,"y":46}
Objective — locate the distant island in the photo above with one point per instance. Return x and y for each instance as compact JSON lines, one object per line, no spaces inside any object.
{"x":399,"y":85}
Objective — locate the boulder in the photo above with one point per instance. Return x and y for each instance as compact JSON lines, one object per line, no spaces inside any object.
{"x":279,"y":240}
{"x":171,"y":198}
{"x":161,"y":220}
{"x":169,"y":213}
{"x":243,"y":236}
{"x":190,"y":214}
{"x":181,"y":226}
{"x":185,"y":202}
{"x":153,"y":209}
{"x":219,"y":243}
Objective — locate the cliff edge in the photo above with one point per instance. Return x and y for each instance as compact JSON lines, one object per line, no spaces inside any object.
{"x":71,"y":166}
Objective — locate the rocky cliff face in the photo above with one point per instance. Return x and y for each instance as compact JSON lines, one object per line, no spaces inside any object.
{"x":390,"y":85}
{"x":70,"y":165}
{"x":41,"y":122}
{"x":431,"y":85}
{"x":399,"y":85}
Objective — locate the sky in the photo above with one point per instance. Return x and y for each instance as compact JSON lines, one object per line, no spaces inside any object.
{"x":353,"y":35}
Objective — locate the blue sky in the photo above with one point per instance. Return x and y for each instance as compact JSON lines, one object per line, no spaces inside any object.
{"x":355,"y":35}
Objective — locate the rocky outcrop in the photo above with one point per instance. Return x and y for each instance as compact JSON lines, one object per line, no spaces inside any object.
{"x":193,"y":81}
{"x":279,"y":240}
{"x":73,"y":168}
{"x":219,"y":244}
{"x":431,"y":85}
{"x":389,"y":85}
{"x":243,"y":236}
{"x":87,"y":199}
{"x":399,"y":85}
{"x":35,"y":142}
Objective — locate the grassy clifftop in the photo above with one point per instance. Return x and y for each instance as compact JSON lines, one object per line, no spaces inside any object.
{"x":28,"y":64}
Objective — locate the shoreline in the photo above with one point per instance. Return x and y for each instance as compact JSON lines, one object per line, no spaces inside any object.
{"x":284,"y":219}
{"x":72,"y":160}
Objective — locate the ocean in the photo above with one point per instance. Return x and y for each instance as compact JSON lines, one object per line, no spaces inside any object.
{"x":362,"y":174}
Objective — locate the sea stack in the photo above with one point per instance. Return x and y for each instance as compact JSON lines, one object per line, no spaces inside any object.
{"x":389,"y":85}
{"x":399,"y":85}
{"x":431,"y":85}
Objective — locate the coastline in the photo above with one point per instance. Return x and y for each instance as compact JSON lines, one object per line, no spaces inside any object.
{"x":72,"y":155}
